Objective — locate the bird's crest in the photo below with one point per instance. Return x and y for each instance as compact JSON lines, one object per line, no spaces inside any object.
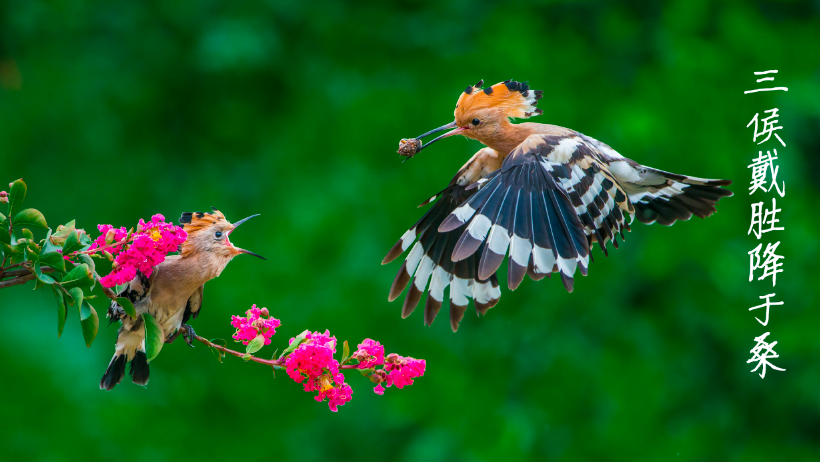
{"x":194,"y":221}
{"x":514,"y":99}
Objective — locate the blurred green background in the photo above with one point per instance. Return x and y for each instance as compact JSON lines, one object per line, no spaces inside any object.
{"x":113,"y":111}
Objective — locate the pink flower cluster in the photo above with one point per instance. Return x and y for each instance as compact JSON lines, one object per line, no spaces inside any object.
{"x":149,"y":245}
{"x":401,"y":371}
{"x":257,"y":322}
{"x":312,"y":362}
{"x":370,"y":353}
{"x":109,"y":236}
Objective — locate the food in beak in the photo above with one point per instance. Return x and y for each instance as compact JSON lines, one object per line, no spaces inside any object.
{"x":409,"y":148}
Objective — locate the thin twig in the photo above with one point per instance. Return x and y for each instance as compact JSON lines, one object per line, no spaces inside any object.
{"x":107,"y":291}
{"x":268,"y":362}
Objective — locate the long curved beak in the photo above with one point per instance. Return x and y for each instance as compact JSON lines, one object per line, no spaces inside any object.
{"x":456,"y":130}
{"x":236,"y":225}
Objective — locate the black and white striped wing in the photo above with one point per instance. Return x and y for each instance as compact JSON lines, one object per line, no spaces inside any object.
{"x":551,"y":199}
{"x":428,"y":265}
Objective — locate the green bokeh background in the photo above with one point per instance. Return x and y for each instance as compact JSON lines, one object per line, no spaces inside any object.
{"x":294,"y":110}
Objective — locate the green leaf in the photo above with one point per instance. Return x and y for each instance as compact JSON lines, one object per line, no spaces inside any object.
{"x":27,"y":234}
{"x":255,"y":345}
{"x":62,"y":311}
{"x":72,"y":244}
{"x":30,"y":217}
{"x":42,"y":277}
{"x":88,"y":261}
{"x":345,"y":352}
{"x":85,"y":241}
{"x":296,"y":341}
{"x":127,"y":306}
{"x":3,"y":220}
{"x":119,"y":288}
{"x":90,"y":322}
{"x":75,"y":296}
{"x":15,"y":252}
{"x":51,"y":254}
{"x":5,"y":236}
{"x":17,"y":193}
{"x":49,"y":245}
{"x":62,"y":232}
{"x":219,"y":355}
{"x":153,"y":337}
{"x":80,"y":276}
{"x":54,"y":260}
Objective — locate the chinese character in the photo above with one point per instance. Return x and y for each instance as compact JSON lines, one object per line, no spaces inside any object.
{"x":762,"y":352}
{"x":760,"y":218}
{"x":759,"y":167}
{"x":768,"y":127}
{"x":766,"y":79}
{"x":771,"y":266}
{"x":766,"y":305}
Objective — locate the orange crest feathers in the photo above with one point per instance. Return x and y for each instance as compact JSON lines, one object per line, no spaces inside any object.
{"x":513,"y":99}
{"x":194,"y":221}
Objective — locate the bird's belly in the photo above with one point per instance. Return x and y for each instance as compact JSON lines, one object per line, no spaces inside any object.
{"x":168,"y":320}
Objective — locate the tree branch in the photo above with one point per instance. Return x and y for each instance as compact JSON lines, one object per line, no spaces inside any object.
{"x":17,"y":280}
{"x":20,"y":276}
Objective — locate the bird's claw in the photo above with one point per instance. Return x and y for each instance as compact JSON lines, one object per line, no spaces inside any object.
{"x":189,"y":334}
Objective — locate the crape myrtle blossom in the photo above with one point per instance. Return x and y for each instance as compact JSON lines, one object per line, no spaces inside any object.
{"x":310,"y":359}
{"x":147,"y":248}
{"x":257,"y":322}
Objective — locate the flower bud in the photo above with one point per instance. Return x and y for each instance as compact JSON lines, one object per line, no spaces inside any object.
{"x":378,"y":376}
{"x":115,"y":266}
{"x":3,"y":194}
{"x":4,"y":200}
{"x":109,"y":236}
{"x":108,"y":255}
{"x":264,"y":312}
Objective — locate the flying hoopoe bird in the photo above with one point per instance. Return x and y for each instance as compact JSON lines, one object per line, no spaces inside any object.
{"x":541,"y":194}
{"x":173,"y":293}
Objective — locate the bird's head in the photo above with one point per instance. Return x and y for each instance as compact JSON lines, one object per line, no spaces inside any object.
{"x":210,"y":232}
{"x":481,"y":112}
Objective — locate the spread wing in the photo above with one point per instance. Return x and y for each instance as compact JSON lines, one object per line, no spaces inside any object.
{"x":428,"y":265}
{"x":551,"y":199}
{"x":194,"y":305}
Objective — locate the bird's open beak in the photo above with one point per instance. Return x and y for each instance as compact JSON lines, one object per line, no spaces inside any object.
{"x":456,"y":130}
{"x":236,"y":225}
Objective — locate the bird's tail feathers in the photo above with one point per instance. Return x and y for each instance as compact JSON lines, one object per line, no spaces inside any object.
{"x":130,"y":348}
{"x":674,"y":197}
{"x":115,"y":372}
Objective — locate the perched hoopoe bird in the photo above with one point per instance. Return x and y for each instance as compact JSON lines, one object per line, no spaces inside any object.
{"x":540,"y":193}
{"x":173,"y":293}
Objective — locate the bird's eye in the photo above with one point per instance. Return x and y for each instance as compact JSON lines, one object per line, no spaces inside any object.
{"x":476,"y":121}
{"x":219,"y":234}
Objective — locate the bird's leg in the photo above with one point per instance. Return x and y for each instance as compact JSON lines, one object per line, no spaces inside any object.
{"x":173,"y":336}
{"x":189,"y":334}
